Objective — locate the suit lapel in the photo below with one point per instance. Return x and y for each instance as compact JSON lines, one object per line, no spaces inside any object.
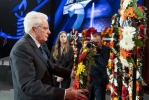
{"x":36,"y":49}
{"x":38,"y":52}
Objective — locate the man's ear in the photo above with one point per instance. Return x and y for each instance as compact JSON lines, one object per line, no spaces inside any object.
{"x":34,"y":29}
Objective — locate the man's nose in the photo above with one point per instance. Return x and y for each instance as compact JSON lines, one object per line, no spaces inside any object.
{"x":49,"y":32}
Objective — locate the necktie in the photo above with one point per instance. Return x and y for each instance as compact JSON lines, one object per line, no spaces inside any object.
{"x":43,"y":53}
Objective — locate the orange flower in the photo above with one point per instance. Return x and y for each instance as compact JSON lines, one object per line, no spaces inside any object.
{"x":120,"y":33}
{"x":129,"y":13}
{"x":111,"y":44}
{"x":111,"y":55}
{"x":120,"y":11}
{"x":130,"y":73}
{"x":138,"y":86}
{"x":124,"y":53}
{"x":122,"y":1}
{"x":108,"y":87}
{"x":130,"y":96}
{"x":104,"y":42}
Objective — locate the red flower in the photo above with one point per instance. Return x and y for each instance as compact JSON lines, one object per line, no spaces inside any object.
{"x":115,"y":89}
{"x":89,"y":78}
{"x":124,"y":92}
{"x":112,"y":95}
{"x":138,"y":52}
{"x":141,"y":27}
{"x":82,"y":56}
{"x":92,"y":30}
{"x":111,"y":55}
{"x":75,"y":83}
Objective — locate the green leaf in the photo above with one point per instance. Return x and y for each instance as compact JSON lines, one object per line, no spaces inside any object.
{"x":138,"y":13}
{"x":144,"y":7}
{"x":85,"y":73}
{"x":91,"y":60}
{"x":81,"y":79}
{"x":138,"y":42}
{"x":131,"y":60}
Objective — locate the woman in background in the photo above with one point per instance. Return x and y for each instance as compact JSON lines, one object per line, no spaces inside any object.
{"x":62,"y":54}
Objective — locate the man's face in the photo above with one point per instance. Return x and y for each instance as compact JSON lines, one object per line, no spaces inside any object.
{"x":97,"y":40}
{"x":42,"y":32}
{"x":63,"y":38}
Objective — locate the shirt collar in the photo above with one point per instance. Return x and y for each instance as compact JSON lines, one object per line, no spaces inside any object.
{"x":36,"y":42}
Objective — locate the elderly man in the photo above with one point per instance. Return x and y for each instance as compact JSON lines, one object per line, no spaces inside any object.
{"x":31,"y":69}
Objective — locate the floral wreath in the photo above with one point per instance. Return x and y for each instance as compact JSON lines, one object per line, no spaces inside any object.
{"x":130,"y":39}
{"x":73,"y":43}
{"x":82,"y":79}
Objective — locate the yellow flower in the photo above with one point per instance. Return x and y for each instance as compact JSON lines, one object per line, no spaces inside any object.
{"x":109,"y":65}
{"x":80,"y":69}
{"x":85,"y":50}
{"x":115,"y":98}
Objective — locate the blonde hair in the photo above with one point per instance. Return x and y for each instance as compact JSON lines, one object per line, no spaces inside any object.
{"x":58,"y":45}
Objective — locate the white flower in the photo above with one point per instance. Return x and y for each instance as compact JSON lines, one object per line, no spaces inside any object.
{"x":121,"y":21}
{"x":137,"y":97}
{"x":111,"y":78}
{"x":113,"y":21}
{"x":115,"y":64}
{"x":124,"y":62}
{"x":125,"y":84}
{"x":115,"y":61}
{"x":128,"y":32}
{"x":108,"y":71}
{"x":115,"y":82}
{"x":112,"y":90}
{"x":127,"y":43}
{"x":130,"y":90}
{"x":138,"y":74}
{"x":122,"y":11}
{"x":115,"y":68}
{"x":126,"y":3}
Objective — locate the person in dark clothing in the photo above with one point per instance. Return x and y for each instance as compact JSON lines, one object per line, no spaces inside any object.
{"x":99,"y":77}
{"x":62,"y":54}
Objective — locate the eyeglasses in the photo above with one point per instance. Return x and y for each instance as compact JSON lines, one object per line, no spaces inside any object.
{"x":44,"y":28}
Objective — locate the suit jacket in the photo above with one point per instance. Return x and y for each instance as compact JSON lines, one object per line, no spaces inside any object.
{"x":32,"y":74}
{"x":99,"y":73}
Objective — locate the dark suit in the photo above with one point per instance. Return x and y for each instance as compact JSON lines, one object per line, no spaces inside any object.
{"x":99,"y":74}
{"x":32,"y":75}
{"x":65,"y":61}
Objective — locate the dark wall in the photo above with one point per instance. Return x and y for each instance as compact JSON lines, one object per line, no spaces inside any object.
{"x":12,"y":13}
{"x":146,"y":50}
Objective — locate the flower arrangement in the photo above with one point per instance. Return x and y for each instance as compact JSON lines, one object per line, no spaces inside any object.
{"x":110,"y":38}
{"x":85,"y":60}
{"x":73,"y":43}
{"x":132,"y":38}
{"x":127,"y":46}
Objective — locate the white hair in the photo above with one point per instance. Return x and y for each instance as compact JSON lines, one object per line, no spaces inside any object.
{"x":33,"y":19}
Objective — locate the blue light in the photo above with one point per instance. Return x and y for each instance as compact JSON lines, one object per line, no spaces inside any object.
{"x":92,"y":15}
{"x":20,"y":18}
{"x":40,"y":5}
